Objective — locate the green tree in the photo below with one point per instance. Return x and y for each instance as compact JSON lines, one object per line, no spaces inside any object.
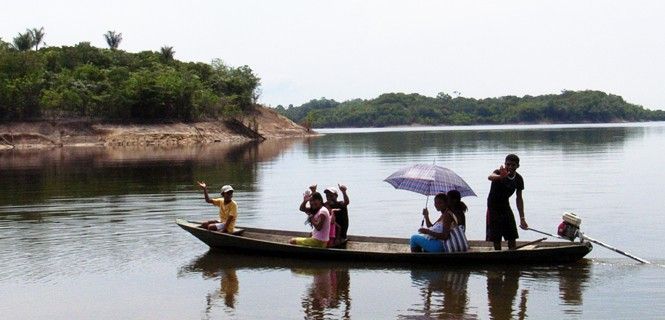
{"x":37,"y":36}
{"x":399,"y":109}
{"x":84,"y":81}
{"x":239,"y":85}
{"x":113,"y":39}
{"x":167,"y":54}
{"x":23,"y":41}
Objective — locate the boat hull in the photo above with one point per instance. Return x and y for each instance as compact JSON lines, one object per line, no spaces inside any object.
{"x":383,"y":249}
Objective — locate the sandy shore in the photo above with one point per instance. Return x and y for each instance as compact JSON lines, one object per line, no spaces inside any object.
{"x":47,"y":134}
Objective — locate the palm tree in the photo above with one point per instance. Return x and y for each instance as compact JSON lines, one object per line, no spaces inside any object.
{"x":24,"y":41}
{"x":113,"y":39}
{"x":37,"y":36}
{"x":167,"y":53}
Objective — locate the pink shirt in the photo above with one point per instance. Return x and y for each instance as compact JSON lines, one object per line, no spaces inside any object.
{"x":324,"y":233}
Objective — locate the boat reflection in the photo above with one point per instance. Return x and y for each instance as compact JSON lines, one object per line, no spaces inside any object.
{"x":460,"y":292}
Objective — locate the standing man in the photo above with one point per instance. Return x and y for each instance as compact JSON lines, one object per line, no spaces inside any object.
{"x":228,"y":210}
{"x":500,"y":217}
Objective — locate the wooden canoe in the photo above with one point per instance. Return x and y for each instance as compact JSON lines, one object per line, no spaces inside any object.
{"x":383,"y":249}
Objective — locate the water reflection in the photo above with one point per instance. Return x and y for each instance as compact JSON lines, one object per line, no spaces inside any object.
{"x":494,"y":292}
{"x":228,"y":288}
{"x":502,"y":288}
{"x":572,"y":281}
{"x":326,"y":295}
{"x":328,"y":291}
{"x":508,"y":298}
{"x":444,"y":293}
{"x":455,"y":141}
{"x":213,"y":267}
{"x":32,"y":176}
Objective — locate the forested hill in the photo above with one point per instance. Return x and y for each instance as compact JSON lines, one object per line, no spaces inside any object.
{"x":394,"y":109}
{"x":83,"y":81}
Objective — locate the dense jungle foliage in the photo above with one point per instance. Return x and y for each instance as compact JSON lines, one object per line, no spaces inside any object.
{"x":394,"y":109}
{"x":83,"y":81}
{"x":113,"y":85}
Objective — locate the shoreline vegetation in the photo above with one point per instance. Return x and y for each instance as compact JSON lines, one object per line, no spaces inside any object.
{"x":111,"y":85}
{"x":84,"y":95}
{"x":400,"y":109}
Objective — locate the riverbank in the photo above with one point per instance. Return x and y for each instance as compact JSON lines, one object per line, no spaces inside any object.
{"x":263,"y":123}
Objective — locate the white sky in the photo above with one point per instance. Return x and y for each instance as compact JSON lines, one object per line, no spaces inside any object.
{"x":360,"y":49}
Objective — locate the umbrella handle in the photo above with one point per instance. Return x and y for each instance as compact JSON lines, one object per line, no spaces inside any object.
{"x":422,"y":222}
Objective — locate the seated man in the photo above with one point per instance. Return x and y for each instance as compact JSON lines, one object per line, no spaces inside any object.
{"x":319,"y":218}
{"x":228,"y":210}
{"x":340,"y":213}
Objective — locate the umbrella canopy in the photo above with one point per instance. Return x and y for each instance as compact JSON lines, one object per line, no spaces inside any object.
{"x":429,"y":179}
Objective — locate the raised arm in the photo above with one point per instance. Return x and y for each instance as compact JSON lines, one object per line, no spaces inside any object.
{"x":205,"y":191}
{"x":342,"y":188}
{"x":303,"y":204}
{"x":498,"y":175}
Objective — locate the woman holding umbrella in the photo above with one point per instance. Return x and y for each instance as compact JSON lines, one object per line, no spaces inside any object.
{"x":431,"y":239}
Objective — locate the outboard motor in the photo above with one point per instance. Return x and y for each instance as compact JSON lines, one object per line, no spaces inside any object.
{"x":570,"y":227}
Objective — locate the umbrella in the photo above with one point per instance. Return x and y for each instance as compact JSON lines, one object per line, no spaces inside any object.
{"x":429,"y":179}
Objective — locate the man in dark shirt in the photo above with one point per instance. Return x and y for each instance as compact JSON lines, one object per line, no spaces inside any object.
{"x":500,"y":217}
{"x":340,"y":208}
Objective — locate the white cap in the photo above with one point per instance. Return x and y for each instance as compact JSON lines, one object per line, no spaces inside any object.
{"x":332,"y":190}
{"x":227,"y":188}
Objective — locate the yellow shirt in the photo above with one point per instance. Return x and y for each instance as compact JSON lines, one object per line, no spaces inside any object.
{"x":226,"y":211}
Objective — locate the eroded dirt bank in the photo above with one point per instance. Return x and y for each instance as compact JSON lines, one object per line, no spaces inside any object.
{"x":264,"y":123}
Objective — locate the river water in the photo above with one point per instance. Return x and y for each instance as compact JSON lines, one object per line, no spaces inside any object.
{"x":90,"y":233}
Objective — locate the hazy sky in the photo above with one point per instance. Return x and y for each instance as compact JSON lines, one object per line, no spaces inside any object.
{"x":360,"y":49}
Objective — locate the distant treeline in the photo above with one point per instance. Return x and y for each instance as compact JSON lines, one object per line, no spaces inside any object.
{"x":394,"y":109}
{"x":110,"y":84}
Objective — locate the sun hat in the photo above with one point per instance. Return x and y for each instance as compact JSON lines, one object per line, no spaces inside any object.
{"x":227,"y":188}
{"x":332,"y":190}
